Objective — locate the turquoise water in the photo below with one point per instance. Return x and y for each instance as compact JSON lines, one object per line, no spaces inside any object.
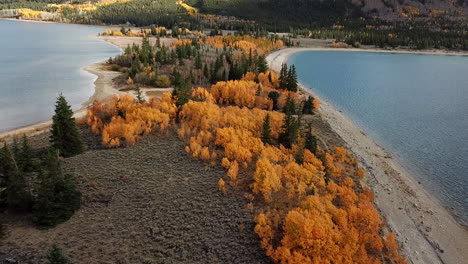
{"x":415,"y":106}
{"x":40,"y":60}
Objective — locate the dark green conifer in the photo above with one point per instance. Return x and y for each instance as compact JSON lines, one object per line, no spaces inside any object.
{"x":290,"y":129}
{"x":58,"y":196}
{"x":283,"y":78}
{"x":308,"y":107}
{"x":65,"y":136}
{"x":262,"y":65}
{"x":310,"y":140}
{"x":25,"y":159}
{"x":289,"y":106}
{"x":56,"y":256}
{"x":274,"y":96}
{"x":198,"y":62}
{"x":139,"y":95}
{"x":266,"y":130}
{"x":292,"y":79}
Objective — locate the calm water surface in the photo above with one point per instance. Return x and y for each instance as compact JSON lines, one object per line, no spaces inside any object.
{"x":416,"y":106}
{"x":40,"y":60}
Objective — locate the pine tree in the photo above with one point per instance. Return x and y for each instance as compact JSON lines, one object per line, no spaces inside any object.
{"x":310,"y":140}
{"x":283,"y":78}
{"x":25,"y":159}
{"x":65,"y":136}
{"x":289,"y":106}
{"x":206,"y":72}
{"x":14,"y":183}
{"x":274,"y":96}
{"x":290,"y":130}
{"x":6,"y":168}
{"x":266,"y":131}
{"x":292,"y":79}
{"x":308,"y":108}
{"x":58,"y":195}
{"x":198,"y":62}
{"x":56,"y":256}
{"x":139,"y":95}
{"x":262,"y":64}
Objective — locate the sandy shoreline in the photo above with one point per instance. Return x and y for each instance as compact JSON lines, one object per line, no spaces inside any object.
{"x":427,"y":232}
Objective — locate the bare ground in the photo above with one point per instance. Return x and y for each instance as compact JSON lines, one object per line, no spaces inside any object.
{"x":150,"y":203}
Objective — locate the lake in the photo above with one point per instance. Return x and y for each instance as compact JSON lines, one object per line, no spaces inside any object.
{"x":415,"y":106}
{"x":38,"y":61}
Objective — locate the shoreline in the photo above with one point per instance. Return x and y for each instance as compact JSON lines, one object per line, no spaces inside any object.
{"x":290,"y":51}
{"x":103,"y":89}
{"x":426,"y":230}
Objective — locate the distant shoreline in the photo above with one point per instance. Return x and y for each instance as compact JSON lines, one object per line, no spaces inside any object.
{"x":290,"y":51}
{"x":407,"y":207}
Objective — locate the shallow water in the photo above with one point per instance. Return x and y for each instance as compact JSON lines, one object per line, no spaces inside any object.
{"x":415,"y":106}
{"x":38,"y":61}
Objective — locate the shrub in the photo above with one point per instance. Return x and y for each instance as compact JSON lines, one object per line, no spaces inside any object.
{"x":163,"y":81}
{"x":56,"y":256}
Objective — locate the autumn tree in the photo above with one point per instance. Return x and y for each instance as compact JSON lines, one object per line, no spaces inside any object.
{"x":64,"y":133}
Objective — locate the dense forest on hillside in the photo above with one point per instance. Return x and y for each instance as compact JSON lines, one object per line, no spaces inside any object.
{"x":279,"y":15}
{"x":338,"y":20}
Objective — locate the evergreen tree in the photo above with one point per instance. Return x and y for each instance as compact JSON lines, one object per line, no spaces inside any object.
{"x":292,"y":79}
{"x":283,"y":78}
{"x":25,"y":159}
{"x":182,"y":90}
{"x":16,"y":149}
{"x":308,"y":108}
{"x":58,"y":196}
{"x":139,"y":95}
{"x":266,"y":131}
{"x":6,"y":168}
{"x":310,"y":140}
{"x":299,"y":156}
{"x":274,"y":96}
{"x":289,"y":106}
{"x":136,"y":68}
{"x":262,"y":65}
{"x":198,"y":62}
{"x":13,"y":186}
{"x":290,"y":131}
{"x":56,"y":256}
{"x":206,"y":72}
{"x":65,"y":136}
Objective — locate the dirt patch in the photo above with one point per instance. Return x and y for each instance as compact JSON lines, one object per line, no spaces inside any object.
{"x":150,"y":203}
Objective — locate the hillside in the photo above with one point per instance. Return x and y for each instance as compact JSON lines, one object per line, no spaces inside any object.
{"x":314,"y":12}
